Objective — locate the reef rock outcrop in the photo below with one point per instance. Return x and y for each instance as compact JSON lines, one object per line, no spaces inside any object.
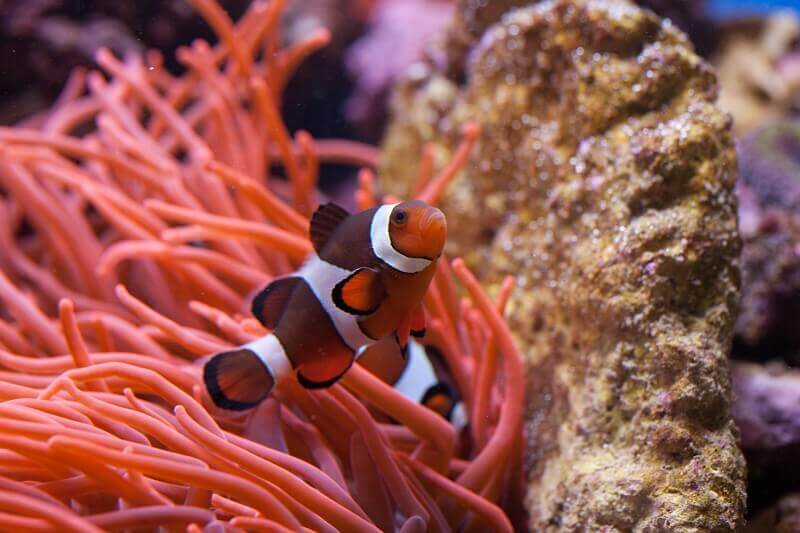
{"x":767,"y":411}
{"x":603,"y":180}
{"x":783,"y":517}
{"x":769,"y":214}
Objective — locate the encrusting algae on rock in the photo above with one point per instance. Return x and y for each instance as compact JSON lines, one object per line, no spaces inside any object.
{"x":603,"y":180}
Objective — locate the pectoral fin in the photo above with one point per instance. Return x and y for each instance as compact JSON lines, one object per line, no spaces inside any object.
{"x":403,"y":331}
{"x":418,"y":322}
{"x":384,"y":359}
{"x":237,"y":379}
{"x":361,"y":293}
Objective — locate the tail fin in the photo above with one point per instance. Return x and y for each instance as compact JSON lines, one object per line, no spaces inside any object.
{"x":237,"y":379}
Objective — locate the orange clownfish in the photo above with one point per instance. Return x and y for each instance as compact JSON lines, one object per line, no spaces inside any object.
{"x":365,"y":282}
{"x":425,"y":380}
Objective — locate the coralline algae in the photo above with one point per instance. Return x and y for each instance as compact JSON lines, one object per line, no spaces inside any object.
{"x":767,"y":411}
{"x":770,"y":224}
{"x":603,"y":180}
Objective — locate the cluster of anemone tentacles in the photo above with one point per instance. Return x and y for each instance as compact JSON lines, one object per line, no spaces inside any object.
{"x":136,"y":218}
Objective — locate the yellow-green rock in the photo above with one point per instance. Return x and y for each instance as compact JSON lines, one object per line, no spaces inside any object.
{"x":603,"y":180}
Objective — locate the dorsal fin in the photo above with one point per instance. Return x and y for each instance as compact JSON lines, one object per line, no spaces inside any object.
{"x":269,"y":304}
{"x":324,"y":222}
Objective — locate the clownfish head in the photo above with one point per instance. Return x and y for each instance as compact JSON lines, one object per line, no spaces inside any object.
{"x":417,"y":230}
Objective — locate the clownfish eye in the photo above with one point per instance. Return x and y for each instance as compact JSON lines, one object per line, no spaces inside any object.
{"x":399,"y":217}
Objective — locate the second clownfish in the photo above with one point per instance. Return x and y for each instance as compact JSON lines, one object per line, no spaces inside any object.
{"x":422,"y":377}
{"x":365,"y":283}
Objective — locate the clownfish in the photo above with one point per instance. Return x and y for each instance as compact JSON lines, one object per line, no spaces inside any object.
{"x":424,"y":379}
{"x":364,"y":283}
{"x":422,"y":376}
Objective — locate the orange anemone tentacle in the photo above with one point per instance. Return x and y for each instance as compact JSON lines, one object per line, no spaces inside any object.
{"x":434,"y":190}
{"x":162,"y":187}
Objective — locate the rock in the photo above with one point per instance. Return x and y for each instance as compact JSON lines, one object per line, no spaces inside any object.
{"x":472,"y":17}
{"x":784,"y":517}
{"x":691,"y":16}
{"x":767,"y":323}
{"x":767,"y":411}
{"x":401,"y":31}
{"x":759,"y":70}
{"x":770,"y":224}
{"x":603,"y":181}
{"x":769,"y":163}
{"x":398,"y":33}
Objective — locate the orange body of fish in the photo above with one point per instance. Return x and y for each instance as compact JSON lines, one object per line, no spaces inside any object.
{"x":364,"y":285}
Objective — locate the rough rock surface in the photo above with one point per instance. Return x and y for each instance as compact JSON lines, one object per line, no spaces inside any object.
{"x":783,"y":517}
{"x":400,"y":31}
{"x":767,"y":411}
{"x":398,"y":34}
{"x":767,"y":323}
{"x":769,"y":213}
{"x":604,"y":181}
{"x":769,"y":165}
{"x":759,"y":70}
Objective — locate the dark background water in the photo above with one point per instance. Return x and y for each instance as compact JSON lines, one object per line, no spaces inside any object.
{"x":42,"y":40}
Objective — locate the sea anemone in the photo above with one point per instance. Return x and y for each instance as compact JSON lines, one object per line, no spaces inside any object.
{"x":137,"y":216}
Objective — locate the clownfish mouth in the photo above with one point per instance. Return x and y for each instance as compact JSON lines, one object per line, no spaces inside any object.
{"x":433,"y":233}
